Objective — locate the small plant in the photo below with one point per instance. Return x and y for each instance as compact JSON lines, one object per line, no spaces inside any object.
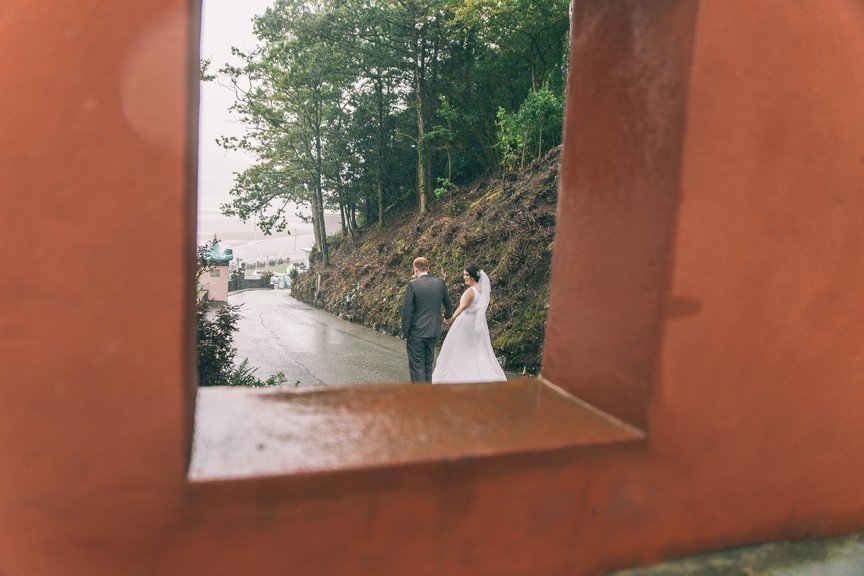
{"x":265,"y":279}
{"x":244,"y":375}
{"x":275,"y":380}
{"x":445,"y":188}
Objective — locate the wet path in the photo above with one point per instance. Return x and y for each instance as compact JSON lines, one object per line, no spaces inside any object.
{"x":312,"y":347}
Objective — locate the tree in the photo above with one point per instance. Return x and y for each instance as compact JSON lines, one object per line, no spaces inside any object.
{"x":533,"y":129}
{"x":288,"y":92}
{"x":359,"y":106}
{"x":530,"y":35}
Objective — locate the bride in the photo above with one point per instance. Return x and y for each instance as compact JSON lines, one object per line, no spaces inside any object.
{"x":466,"y":355}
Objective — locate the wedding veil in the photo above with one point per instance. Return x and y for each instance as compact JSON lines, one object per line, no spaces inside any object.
{"x":485,"y":288}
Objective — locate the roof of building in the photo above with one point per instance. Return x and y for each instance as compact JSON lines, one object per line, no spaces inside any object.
{"x":218,"y":256}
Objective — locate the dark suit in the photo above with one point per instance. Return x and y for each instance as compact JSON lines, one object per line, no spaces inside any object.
{"x":421,"y":322}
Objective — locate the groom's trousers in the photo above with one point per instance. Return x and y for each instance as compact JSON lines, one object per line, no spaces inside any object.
{"x":421,"y":355}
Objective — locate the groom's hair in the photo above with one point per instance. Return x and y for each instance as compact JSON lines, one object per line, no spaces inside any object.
{"x":421,"y":264}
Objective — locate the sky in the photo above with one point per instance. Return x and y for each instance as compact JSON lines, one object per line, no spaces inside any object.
{"x":227,"y":23}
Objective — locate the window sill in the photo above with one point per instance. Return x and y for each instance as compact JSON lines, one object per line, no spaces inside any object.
{"x":248,"y":432}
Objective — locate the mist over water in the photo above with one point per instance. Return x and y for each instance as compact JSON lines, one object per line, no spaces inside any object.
{"x":248,"y":242}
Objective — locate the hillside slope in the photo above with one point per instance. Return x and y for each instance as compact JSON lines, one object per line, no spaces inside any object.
{"x":507,"y":227}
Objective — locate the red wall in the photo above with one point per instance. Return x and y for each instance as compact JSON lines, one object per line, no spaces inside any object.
{"x":707,"y":288}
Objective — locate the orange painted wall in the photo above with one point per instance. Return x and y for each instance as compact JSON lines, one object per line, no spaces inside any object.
{"x":708,"y":287}
{"x":94,"y":417}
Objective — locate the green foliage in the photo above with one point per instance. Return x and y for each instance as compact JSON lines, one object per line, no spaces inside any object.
{"x":204,"y":71}
{"x":444,"y":188}
{"x":243,"y":375}
{"x":510,"y":139}
{"x":531,"y":131}
{"x":362,"y":106}
{"x":216,"y":349}
{"x":530,"y":36}
{"x":201,"y":263}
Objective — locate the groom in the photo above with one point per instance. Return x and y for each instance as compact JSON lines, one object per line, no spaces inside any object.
{"x":421,"y":319}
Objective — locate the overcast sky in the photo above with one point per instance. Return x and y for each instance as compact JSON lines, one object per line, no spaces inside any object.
{"x":225,"y":23}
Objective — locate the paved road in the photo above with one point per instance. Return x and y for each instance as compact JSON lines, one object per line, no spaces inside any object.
{"x":312,"y":347}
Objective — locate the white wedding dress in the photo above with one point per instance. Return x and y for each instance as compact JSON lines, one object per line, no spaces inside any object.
{"x":467,"y":355}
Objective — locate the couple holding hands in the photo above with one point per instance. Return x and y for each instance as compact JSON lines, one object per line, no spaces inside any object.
{"x":466,"y":355}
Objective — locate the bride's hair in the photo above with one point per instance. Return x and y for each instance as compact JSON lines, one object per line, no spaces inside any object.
{"x":474,"y":271}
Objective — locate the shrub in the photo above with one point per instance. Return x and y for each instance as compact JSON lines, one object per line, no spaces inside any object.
{"x":243,"y":375}
{"x":445,"y":187}
{"x":216,"y":350}
{"x":530,"y":131}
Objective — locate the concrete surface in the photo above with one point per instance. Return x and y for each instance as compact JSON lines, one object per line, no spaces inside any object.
{"x":750,"y":349}
{"x":834,"y":557}
{"x":247,"y":432}
{"x":279,"y":333}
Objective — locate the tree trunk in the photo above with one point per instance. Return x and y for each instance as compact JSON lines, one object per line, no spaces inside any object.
{"x":419,"y":72}
{"x":370,"y":195}
{"x":540,"y":137}
{"x":540,"y":134}
{"x":343,"y":208}
{"x":379,"y":177}
{"x":316,"y":223}
{"x":524,"y":148}
{"x":342,"y":219}
{"x":432,"y":110}
{"x":421,"y":154}
{"x":325,"y":249}
{"x":319,"y":191}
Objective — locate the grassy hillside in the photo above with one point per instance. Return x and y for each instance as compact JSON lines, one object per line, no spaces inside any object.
{"x":506,"y":226}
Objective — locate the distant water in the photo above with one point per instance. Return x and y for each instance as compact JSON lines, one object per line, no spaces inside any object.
{"x":250,"y":243}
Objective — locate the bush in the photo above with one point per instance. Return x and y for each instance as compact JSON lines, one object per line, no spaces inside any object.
{"x":216,"y":350}
{"x":445,"y":187}
{"x":532,"y":130}
{"x":243,"y":375}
